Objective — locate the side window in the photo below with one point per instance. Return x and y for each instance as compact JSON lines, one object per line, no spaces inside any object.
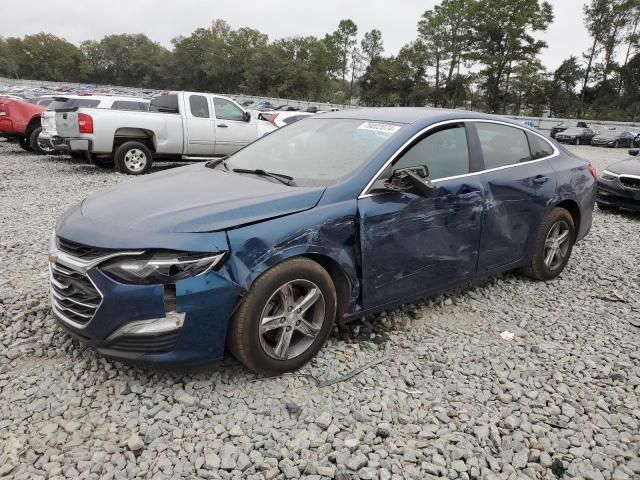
{"x":164,"y":104}
{"x":445,"y":153}
{"x":502,"y":145}
{"x":539,"y":148}
{"x":82,"y":103}
{"x":199,"y":106}
{"x":127,"y":105}
{"x":225,"y":110}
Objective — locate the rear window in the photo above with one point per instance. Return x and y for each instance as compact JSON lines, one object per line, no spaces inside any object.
{"x":539,"y":148}
{"x":164,"y":104}
{"x":129,"y":105}
{"x":289,"y":120}
{"x":82,"y":103}
{"x":58,"y":103}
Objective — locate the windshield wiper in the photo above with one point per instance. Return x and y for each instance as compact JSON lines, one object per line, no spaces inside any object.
{"x":286,"y":179}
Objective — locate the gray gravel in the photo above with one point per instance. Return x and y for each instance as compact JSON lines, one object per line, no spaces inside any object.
{"x":453,"y":399}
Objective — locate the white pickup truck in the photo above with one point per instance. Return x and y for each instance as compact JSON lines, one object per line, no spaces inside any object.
{"x":178,"y":126}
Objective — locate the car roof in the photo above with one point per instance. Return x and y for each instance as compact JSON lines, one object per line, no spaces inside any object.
{"x":409,"y":115}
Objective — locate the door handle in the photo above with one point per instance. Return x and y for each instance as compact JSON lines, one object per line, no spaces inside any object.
{"x":540,"y":179}
{"x":223,"y":125}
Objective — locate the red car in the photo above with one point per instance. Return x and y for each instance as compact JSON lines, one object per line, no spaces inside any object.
{"x":19,"y":121}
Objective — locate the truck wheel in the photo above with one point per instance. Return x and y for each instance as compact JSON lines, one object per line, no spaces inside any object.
{"x":101,"y":162}
{"x":25,"y":144}
{"x":39,"y":147}
{"x":133,"y":158}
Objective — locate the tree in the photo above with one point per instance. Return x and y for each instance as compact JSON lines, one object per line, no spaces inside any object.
{"x":341,"y":43}
{"x":372,"y":46}
{"x":502,"y":31}
{"x":8,"y":65}
{"x":563,"y":97}
{"x":46,"y":57}
{"x":129,"y":60}
{"x":445,"y":33}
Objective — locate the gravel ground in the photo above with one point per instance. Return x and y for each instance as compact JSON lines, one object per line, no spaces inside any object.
{"x":449,"y":397}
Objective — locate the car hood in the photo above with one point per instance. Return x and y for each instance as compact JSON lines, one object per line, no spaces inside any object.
{"x":196,"y":199}
{"x":628,"y":166}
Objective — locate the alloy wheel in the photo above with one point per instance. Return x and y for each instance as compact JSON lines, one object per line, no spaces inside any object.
{"x":292,"y":319}
{"x":135,"y":160}
{"x":556,"y":246}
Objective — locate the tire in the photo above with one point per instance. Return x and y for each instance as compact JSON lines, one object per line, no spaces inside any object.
{"x":37,"y":146}
{"x":133,"y":158}
{"x":259,"y":351}
{"x":25,"y":144}
{"x":539,"y":268}
{"x":106,"y":163}
{"x":605,"y":208}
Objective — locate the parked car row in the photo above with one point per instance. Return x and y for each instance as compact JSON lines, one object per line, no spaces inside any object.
{"x":578,"y":133}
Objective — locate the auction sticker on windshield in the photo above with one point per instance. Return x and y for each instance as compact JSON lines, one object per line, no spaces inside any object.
{"x":379,"y":127}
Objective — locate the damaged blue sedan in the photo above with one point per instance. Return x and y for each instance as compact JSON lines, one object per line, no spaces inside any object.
{"x":329,"y":219}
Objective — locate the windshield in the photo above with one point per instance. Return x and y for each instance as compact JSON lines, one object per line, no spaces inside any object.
{"x":610,"y":134}
{"x":573,"y":131}
{"x":315,"y":151}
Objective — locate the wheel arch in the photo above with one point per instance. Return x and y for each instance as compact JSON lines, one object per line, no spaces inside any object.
{"x":34,"y":123}
{"x":128,"y":134}
{"x":572,"y":207}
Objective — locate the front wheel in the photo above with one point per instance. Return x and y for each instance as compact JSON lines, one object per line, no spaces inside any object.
{"x":285,"y":318}
{"x":25,"y":143}
{"x":133,"y":158}
{"x":553,"y":246}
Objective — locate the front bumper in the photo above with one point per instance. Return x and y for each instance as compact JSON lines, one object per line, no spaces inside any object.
{"x":151,"y":325}
{"x":611,"y":193}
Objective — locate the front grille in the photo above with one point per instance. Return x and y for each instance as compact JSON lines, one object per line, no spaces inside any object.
{"x":161,"y":343}
{"x":630,"y":182}
{"x":79,"y":250}
{"x":73,"y":294}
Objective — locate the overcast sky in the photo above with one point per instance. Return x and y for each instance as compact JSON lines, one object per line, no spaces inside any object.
{"x":162,"y":20}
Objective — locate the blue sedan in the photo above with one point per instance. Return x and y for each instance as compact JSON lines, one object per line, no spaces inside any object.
{"x":329,"y":219}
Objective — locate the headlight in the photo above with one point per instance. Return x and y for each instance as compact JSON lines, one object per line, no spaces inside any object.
{"x":161,"y":267}
{"x":608,"y":176}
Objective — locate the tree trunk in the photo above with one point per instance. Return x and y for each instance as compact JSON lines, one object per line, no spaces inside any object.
{"x":437,"y":95}
{"x":587,"y":73}
{"x":506,"y":89}
{"x":626,"y":60}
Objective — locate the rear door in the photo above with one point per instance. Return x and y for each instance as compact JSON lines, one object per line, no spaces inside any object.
{"x":201,"y":132}
{"x":518,"y":181}
{"x":233,"y":131}
{"x":412,"y":245}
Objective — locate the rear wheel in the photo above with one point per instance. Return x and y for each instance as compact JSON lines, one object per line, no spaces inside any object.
{"x":285,"y":318}
{"x":25,"y":143}
{"x":553,"y":246}
{"x":38,"y":146}
{"x":133,"y":158}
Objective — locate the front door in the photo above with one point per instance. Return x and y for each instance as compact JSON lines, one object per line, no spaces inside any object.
{"x":412,"y":245}
{"x":233,"y":131}
{"x":200,"y":127}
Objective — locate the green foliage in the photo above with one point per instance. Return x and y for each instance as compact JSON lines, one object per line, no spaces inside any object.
{"x":479,"y":54}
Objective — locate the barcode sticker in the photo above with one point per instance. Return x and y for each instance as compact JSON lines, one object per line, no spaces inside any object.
{"x":379,"y":127}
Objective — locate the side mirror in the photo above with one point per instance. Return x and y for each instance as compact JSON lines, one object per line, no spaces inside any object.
{"x":634,"y":152}
{"x":247,"y":116}
{"x":411,"y":179}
